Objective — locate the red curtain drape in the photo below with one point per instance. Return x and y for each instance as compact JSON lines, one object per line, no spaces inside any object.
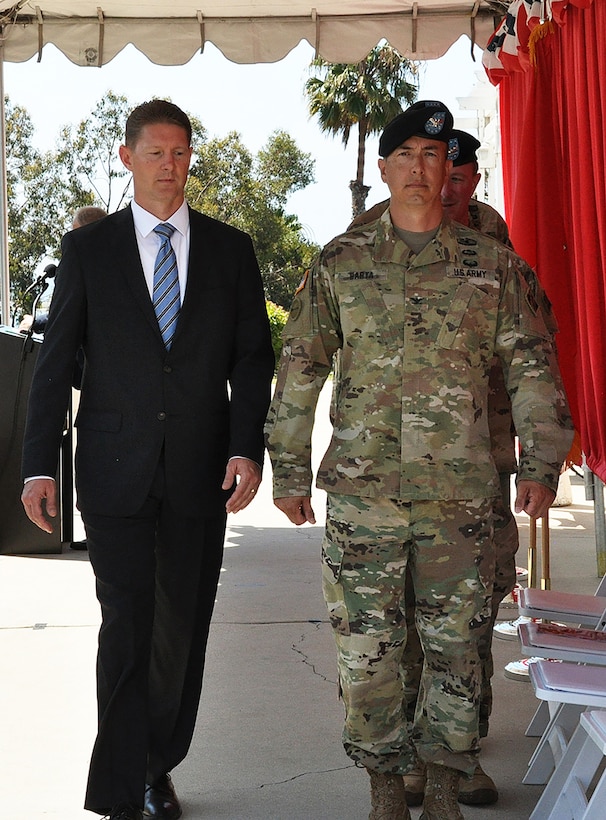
{"x":553,"y":128}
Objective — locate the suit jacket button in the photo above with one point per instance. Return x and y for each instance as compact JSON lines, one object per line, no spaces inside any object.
{"x":167,"y":368}
{"x":161,"y":416}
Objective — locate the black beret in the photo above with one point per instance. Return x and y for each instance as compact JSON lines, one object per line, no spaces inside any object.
{"x":426,"y":118}
{"x":468,"y":146}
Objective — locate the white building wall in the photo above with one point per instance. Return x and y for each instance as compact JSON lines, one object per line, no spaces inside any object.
{"x":482,"y":120}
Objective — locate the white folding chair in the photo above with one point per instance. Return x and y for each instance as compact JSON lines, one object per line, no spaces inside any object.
{"x":569,"y":607}
{"x":572,"y":645}
{"x":571,"y":793}
{"x":575,"y":645}
{"x":540,"y":644}
{"x":569,"y":689}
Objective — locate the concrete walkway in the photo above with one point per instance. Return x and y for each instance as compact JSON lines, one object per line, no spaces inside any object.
{"x":267,"y":744}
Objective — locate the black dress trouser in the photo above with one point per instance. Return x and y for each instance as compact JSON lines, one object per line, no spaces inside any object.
{"x":156,"y":578}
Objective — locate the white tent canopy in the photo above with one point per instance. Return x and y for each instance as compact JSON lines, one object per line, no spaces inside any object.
{"x":246,"y":31}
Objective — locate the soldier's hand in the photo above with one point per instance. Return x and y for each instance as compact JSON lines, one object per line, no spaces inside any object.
{"x":533,"y":498}
{"x":297,"y":508}
{"x":35,"y":492}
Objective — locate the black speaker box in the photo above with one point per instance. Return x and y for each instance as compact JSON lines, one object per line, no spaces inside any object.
{"x":18,"y":536}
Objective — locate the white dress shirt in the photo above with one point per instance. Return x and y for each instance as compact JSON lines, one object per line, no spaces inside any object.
{"x":149,"y":242}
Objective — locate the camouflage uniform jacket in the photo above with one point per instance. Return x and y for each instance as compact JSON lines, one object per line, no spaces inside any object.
{"x":418,"y":334}
{"x":485,"y":219}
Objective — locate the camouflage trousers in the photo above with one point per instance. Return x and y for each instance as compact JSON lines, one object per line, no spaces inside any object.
{"x":449,"y":549}
{"x":506,"y":543}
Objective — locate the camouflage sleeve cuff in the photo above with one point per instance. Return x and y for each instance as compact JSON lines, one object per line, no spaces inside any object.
{"x":286,"y":489}
{"x":531,"y":469}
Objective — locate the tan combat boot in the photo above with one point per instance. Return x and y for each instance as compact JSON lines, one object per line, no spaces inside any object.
{"x":387,"y":797}
{"x":441,"y":792}
{"x":414,"y":784}
{"x":477,"y":789}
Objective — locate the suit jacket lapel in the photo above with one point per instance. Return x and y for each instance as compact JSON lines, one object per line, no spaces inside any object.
{"x":195,"y":273}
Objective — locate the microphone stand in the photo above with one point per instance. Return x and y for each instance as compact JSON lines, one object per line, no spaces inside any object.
{"x":38,"y":287}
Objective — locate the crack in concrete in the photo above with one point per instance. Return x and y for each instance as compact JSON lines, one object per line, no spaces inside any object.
{"x":305,"y":774}
{"x":305,"y":658}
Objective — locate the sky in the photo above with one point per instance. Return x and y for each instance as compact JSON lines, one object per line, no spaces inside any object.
{"x":254,"y":100}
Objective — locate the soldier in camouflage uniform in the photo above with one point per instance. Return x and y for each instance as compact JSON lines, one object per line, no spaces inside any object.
{"x":457,"y":203}
{"x":418,"y":306}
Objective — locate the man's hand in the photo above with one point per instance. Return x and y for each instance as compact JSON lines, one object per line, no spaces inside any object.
{"x":297,"y":508}
{"x":34,"y":493}
{"x":248,"y":475}
{"x":533,"y":498}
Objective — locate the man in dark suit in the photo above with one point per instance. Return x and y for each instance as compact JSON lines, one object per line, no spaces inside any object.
{"x":169,"y":441}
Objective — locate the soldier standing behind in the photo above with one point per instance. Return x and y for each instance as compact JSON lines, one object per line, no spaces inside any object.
{"x":418,"y":307}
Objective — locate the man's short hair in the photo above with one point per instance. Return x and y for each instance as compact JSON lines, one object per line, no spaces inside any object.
{"x":87,"y":215}
{"x":152,"y":113}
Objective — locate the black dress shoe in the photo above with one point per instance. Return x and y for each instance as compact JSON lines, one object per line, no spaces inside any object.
{"x":161,"y":802}
{"x":125,"y":812}
{"x":79,"y":545}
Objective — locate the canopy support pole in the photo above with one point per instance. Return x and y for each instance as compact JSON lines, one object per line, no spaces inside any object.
{"x":594,"y":491}
{"x":5,"y":292}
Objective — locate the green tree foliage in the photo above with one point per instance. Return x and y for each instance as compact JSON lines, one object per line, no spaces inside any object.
{"x":88,"y":152}
{"x":227,"y":182}
{"x":368,"y":94}
{"x":40,"y":202}
{"x":250,"y":192}
{"x":277,"y":319}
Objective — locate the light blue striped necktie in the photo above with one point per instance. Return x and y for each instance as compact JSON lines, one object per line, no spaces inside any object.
{"x":166,"y":296}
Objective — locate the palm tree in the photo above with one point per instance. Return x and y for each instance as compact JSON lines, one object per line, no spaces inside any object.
{"x":368,"y":93}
